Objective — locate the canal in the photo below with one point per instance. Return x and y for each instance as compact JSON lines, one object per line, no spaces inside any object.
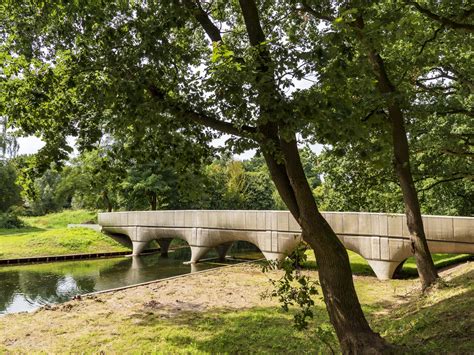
{"x":27,"y":287}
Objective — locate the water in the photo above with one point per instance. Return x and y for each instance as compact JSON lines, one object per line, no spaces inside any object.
{"x":27,"y":287}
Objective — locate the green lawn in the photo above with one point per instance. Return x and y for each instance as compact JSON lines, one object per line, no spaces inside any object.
{"x":61,"y":219}
{"x":59,"y":241}
{"x":360,"y":266}
{"x":48,"y":235}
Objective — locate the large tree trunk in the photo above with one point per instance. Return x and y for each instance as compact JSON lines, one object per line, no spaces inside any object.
{"x":424,"y":262}
{"x":335,"y":275}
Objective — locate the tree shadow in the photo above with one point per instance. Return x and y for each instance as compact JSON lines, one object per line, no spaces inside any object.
{"x":256,"y":330}
{"x":17,"y":231}
{"x":445,"y":326}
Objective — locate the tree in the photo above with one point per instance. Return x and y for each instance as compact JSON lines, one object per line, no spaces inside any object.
{"x":9,"y":190}
{"x":395,"y":62}
{"x":110,"y":67}
{"x":8,"y":143}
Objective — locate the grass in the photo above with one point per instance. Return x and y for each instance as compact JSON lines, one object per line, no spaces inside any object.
{"x":48,"y":235}
{"x":61,"y":219}
{"x":139,"y":320}
{"x":441,"y":321}
{"x":360,"y":266}
{"x":60,"y":241}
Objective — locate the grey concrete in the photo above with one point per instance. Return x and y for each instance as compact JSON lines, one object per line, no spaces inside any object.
{"x":96,"y":227}
{"x":382,"y":239}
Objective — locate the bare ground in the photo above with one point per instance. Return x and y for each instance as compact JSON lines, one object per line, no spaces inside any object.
{"x":99,"y":317}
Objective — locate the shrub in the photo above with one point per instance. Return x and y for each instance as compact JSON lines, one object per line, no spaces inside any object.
{"x":10,"y":220}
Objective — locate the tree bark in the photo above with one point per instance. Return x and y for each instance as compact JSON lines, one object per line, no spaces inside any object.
{"x":152,"y":200}
{"x":345,"y":312}
{"x":107,"y":202}
{"x":335,"y":275}
{"x":424,"y":262}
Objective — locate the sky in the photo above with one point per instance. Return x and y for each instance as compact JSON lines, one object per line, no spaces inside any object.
{"x":30,"y":145}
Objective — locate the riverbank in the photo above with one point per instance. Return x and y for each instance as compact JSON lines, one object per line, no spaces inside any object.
{"x":60,"y":241}
{"x":222,"y":312}
{"x":48,"y":235}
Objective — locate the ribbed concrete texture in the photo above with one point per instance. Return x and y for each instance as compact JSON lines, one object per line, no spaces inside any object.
{"x":382,"y":239}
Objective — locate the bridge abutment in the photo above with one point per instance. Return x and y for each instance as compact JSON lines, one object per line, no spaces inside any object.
{"x":197,"y":253}
{"x":164,"y":245}
{"x":276,"y":257}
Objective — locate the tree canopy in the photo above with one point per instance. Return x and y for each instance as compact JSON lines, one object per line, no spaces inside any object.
{"x":190,"y":71}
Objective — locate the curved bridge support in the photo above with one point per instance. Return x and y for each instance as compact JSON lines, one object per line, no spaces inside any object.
{"x":276,"y":257}
{"x":223,"y":249}
{"x":381,"y":238}
{"x":384,"y":270}
{"x":197,"y":253}
{"x":164,"y":245}
{"x":138,"y":247}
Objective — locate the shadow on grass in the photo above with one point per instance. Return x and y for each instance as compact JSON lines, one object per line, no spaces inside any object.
{"x":445,"y":325}
{"x":17,"y":231}
{"x":257,"y":330}
{"x":360,"y":267}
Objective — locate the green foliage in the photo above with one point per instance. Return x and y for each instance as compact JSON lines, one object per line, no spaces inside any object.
{"x":10,"y":220}
{"x":294,"y":288}
{"x":9,"y":190}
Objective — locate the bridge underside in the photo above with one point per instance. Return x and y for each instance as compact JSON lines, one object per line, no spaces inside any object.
{"x":380,"y":238}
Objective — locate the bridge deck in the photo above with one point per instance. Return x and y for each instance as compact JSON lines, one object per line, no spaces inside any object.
{"x":382,"y":239}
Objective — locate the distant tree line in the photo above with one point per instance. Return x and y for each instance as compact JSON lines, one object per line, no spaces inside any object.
{"x":99,"y":180}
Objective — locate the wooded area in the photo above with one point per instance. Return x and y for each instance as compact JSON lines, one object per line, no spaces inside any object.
{"x":145,"y":87}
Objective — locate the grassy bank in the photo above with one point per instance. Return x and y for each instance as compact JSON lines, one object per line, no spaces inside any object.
{"x":61,"y":219}
{"x":222,"y":312}
{"x":48,"y":235}
{"x":61,"y":241}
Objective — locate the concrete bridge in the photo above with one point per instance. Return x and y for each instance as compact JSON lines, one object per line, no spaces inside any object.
{"x":382,"y":239}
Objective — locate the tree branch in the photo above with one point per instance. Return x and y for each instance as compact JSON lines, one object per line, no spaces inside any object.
{"x":442,"y":181}
{"x":320,"y":16}
{"x":441,"y":19}
{"x":252,"y":22}
{"x":202,"y":118}
{"x":431,"y":39}
{"x":202,"y":17}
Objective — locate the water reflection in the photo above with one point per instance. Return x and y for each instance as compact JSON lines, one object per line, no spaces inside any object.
{"x":26,"y":287}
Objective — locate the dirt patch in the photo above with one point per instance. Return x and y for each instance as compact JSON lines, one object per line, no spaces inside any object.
{"x":104,"y":318}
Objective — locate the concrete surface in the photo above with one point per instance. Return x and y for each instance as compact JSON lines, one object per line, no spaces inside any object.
{"x":382,"y":239}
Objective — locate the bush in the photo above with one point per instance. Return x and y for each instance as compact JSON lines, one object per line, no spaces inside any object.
{"x":10,"y":220}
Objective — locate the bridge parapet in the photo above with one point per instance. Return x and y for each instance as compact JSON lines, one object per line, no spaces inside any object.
{"x":383,"y":239}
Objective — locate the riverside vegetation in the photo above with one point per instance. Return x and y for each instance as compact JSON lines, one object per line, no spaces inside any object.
{"x":146,"y":88}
